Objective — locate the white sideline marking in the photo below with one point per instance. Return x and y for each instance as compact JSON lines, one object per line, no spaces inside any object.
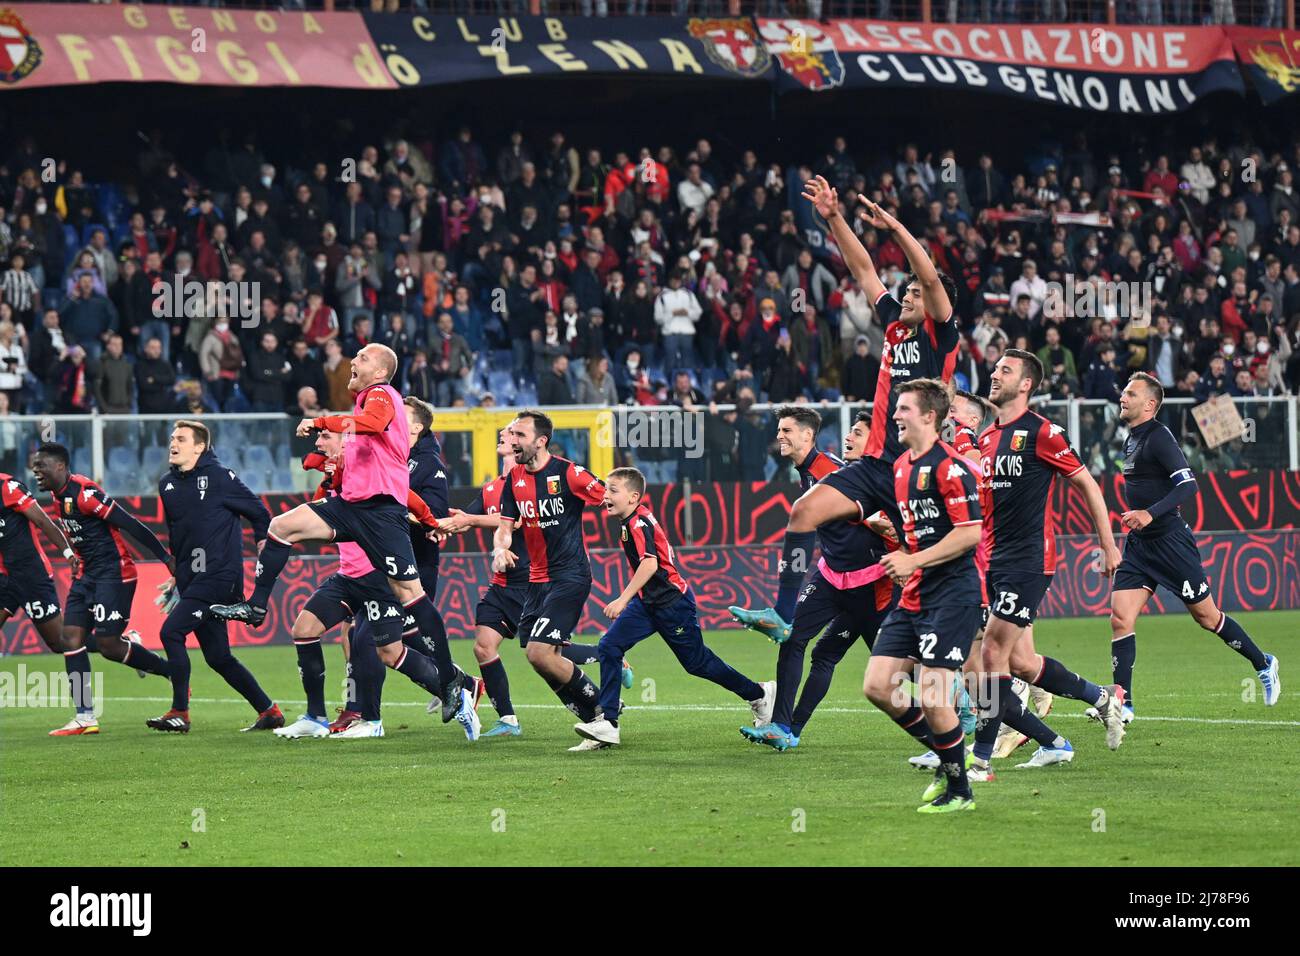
{"x":714,"y":708}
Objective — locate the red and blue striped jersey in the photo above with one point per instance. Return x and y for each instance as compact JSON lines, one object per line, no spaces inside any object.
{"x":83,"y":512}
{"x":643,"y":537}
{"x":488,"y":502}
{"x":928,"y":350}
{"x":937,"y":492}
{"x":19,"y":551}
{"x":1020,"y":460}
{"x":550,"y":502}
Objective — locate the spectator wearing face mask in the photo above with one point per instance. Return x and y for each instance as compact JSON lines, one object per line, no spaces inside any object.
{"x":221,"y":359}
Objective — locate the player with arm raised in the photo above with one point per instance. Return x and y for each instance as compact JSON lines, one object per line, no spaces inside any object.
{"x":1160,"y":548}
{"x":846,"y":597}
{"x":928,"y":635}
{"x":1022,"y":453}
{"x":921,"y":334}
{"x":546,"y":494}
{"x":203,"y":502}
{"x":372,"y":509}
{"x":98,"y":608}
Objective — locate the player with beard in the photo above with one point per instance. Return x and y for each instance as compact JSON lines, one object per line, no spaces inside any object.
{"x":1160,"y":548}
{"x":546,"y":495}
{"x":1022,"y":453}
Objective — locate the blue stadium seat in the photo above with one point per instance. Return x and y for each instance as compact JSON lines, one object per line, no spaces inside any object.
{"x":283,"y":480}
{"x":154,"y":460}
{"x":89,"y":230}
{"x":81,"y":461}
{"x":122,"y":461}
{"x":283,"y":455}
{"x":52,"y":298}
{"x":71,"y":245}
{"x":259,"y":457}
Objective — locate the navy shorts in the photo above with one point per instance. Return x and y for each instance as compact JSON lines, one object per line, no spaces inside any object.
{"x":380,"y":526}
{"x":940,"y":637}
{"x":367,"y":598}
{"x":102,"y":607}
{"x":1014,"y":595}
{"x":1172,"y":560}
{"x":552,"y":610}
{"x":34,"y":593}
{"x":843,"y":615}
{"x":500,"y":607}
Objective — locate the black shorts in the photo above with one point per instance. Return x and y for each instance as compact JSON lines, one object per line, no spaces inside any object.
{"x":1172,"y":560}
{"x":940,"y":637}
{"x":102,"y":607}
{"x":824,"y":609}
{"x":552,"y":610}
{"x":367,"y":598}
{"x":34,"y":593}
{"x":500,"y":607}
{"x":380,"y":526}
{"x":1014,"y":595}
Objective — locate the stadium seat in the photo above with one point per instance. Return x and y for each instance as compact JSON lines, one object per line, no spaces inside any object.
{"x":71,"y":244}
{"x":154,"y":460}
{"x":81,"y":460}
{"x":52,"y":298}
{"x":89,"y":230}
{"x":122,"y":461}
{"x":283,"y":480}
{"x":259,"y":456}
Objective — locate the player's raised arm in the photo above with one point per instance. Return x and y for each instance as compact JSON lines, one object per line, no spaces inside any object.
{"x":933,"y":294}
{"x":826,"y":201}
{"x":376,"y":413}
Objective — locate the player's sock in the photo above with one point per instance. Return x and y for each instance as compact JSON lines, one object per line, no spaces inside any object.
{"x":269,"y":565}
{"x":787,"y":595}
{"x":349,"y":685}
{"x":580,"y":654}
{"x":1056,"y":679}
{"x":913,"y":721}
{"x":814,"y":690}
{"x":420,"y":669}
{"x":498,"y":686}
{"x":145,"y":660}
{"x":1123,"y":653}
{"x":434,"y":632}
{"x":1019,"y":717}
{"x":238,"y":677}
{"x":1232,"y":634}
{"x":795,"y":552}
{"x":311,"y":667}
{"x":80,"y":681}
{"x":367,"y":674}
{"x":583,"y":692}
{"x":950,"y":745}
{"x":789,"y":671}
{"x":989,"y":721}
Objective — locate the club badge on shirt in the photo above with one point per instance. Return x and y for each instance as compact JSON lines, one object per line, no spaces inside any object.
{"x":923,"y":478}
{"x":1018,"y":440}
{"x":553,"y":485}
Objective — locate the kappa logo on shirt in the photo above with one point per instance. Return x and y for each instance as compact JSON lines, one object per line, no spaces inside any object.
{"x":520,"y":483}
{"x":392,"y":612}
{"x":115,"y":616}
{"x":440,"y":474}
{"x":955,"y":470}
{"x":410,"y":569}
{"x":954,"y":655}
{"x":554,"y":635}
{"x":169,"y":487}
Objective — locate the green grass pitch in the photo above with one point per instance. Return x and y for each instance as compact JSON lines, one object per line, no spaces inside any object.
{"x":1204,"y":777}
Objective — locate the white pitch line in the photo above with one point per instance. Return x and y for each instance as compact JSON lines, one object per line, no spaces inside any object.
{"x":714,"y":708}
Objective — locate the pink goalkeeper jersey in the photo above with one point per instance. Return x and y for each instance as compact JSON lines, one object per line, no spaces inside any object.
{"x":375,"y":462}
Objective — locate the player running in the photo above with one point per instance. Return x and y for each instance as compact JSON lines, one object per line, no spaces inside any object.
{"x":360,"y":592}
{"x":796,"y":441}
{"x":546,"y":494}
{"x":203,"y":501}
{"x":657,"y":598}
{"x":1160,"y":549}
{"x":1022,"y":452}
{"x":928,"y":636}
{"x":847,"y":595}
{"x":371,"y":511}
{"x":98,"y":608}
{"x":26,"y":579}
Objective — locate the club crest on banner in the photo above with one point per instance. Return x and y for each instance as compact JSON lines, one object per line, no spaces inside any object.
{"x":732,"y":43}
{"x":20,"y":54}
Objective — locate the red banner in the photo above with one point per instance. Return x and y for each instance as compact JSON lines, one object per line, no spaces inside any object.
{"x":1271,"y":58}
{"x":55,"y":44}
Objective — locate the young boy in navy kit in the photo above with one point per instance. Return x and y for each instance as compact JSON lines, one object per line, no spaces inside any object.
{"x":657,"y":598}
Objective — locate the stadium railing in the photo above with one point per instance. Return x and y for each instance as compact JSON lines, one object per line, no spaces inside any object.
{"x":1258,"y":13}
{"x":127,"y":454}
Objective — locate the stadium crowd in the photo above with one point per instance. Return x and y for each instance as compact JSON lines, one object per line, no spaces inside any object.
{"x":556,"y":273}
